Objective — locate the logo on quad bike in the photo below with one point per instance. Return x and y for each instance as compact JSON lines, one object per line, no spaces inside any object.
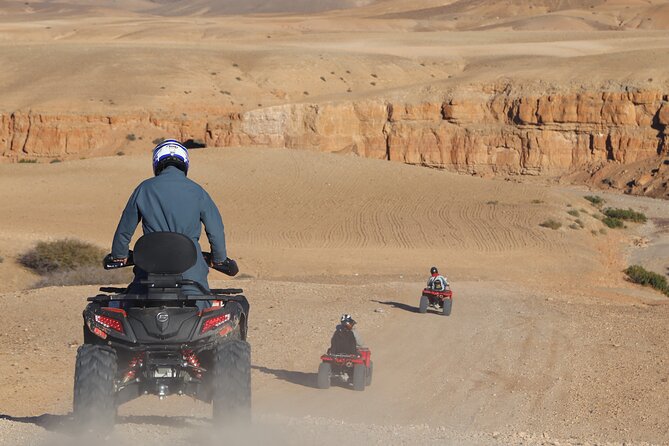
{"x":162,"y":319}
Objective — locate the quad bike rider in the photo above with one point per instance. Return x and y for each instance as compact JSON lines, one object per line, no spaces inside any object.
{"x":346,"y":358}
{"x":437,"y":294}
{"x":167,"y":332}
{"x":171,"y":202}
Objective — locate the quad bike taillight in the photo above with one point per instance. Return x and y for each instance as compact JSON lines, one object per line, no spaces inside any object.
{"x":109,"y":322}
{"x":215,"y":322}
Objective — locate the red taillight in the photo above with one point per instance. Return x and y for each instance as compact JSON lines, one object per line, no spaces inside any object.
{"x":116,"y":310}
{"x":214,"y":322}
{"x":109,"y":322}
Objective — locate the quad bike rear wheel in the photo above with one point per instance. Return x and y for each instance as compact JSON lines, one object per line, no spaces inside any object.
{"x":424,"y":301}
{"x":448,"y":303}
{"x":359,"y":376}
{"x":324,"y":371}
{"x":93,"y":404}
{"x":368,"y":378}
{"x":231,"y":384}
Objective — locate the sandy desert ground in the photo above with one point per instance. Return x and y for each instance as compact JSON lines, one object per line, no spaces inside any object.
{"x":547,"y":343}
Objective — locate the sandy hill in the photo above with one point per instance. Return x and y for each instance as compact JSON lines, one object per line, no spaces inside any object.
{"x":544,"y":15}
{"x":453,"y":14}
{"x":232,"y":7}
{"x":300,"y":214}
{"x":178,"y":7}
{"x":285,"y":209}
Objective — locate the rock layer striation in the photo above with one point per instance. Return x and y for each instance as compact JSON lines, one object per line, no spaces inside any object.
{"x":486,"y":131}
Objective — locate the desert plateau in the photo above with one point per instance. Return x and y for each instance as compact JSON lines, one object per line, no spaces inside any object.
{"x":350,"y":146}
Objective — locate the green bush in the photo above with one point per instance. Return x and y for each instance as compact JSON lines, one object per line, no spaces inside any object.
{"x":625,"y":214}
{"x":62,"y":255}
{"x":613,"y":223}
{"x":550,"y":223}
{"x":573,"y":212}
{"x":595,"y":200}
{"x":638,"y":274}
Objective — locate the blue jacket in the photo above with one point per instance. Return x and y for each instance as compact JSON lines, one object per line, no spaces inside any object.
{"x":173,"y":203}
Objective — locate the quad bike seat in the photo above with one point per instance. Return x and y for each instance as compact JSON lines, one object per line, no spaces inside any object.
{"x":343,"y":343}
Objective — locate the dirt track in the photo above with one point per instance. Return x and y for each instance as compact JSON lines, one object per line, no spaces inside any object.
{"x":505,"y":362}
{"x":546,"y":342}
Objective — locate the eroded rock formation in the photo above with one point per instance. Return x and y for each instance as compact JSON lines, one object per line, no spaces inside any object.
{"x":481,"y":131}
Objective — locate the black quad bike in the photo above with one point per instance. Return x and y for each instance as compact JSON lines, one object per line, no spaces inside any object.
{"x":158,"y":342}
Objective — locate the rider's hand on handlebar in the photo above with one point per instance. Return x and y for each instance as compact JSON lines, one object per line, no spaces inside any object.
{"x":110,"y":262}
{"x":227,"y":266}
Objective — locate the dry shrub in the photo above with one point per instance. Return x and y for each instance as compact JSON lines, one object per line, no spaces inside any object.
{"x":71,"y":262}
{"x":613,"y":223}
{"x":595,"y":200}
{"x":638,"y":274}
{"x":550,"y":223}
{"x":62,"y":255}
{"x":85,"y":275}
{"x":625,"y":214}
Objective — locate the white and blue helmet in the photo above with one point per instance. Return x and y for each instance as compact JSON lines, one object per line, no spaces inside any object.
{"x":170,"y":152}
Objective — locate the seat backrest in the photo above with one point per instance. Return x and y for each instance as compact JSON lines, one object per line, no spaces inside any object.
{"x":343,"y":343}
{"x":165,"y":253}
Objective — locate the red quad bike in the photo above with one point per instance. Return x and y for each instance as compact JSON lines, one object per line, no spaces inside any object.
{"x":439,"y":300}
{"x":346,"y":362}
{"x":158,"y":342}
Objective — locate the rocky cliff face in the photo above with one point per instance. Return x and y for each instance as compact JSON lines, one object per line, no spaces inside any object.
{"x":480,"y":131}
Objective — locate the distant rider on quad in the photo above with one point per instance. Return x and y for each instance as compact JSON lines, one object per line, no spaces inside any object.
{"x":347,"y":323}
{"x":437,"y":282}
{"x":170,"y":202}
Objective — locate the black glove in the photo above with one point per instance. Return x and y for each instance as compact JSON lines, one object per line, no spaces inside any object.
{"x":227,"y":266}
{"x":110,"y":262}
